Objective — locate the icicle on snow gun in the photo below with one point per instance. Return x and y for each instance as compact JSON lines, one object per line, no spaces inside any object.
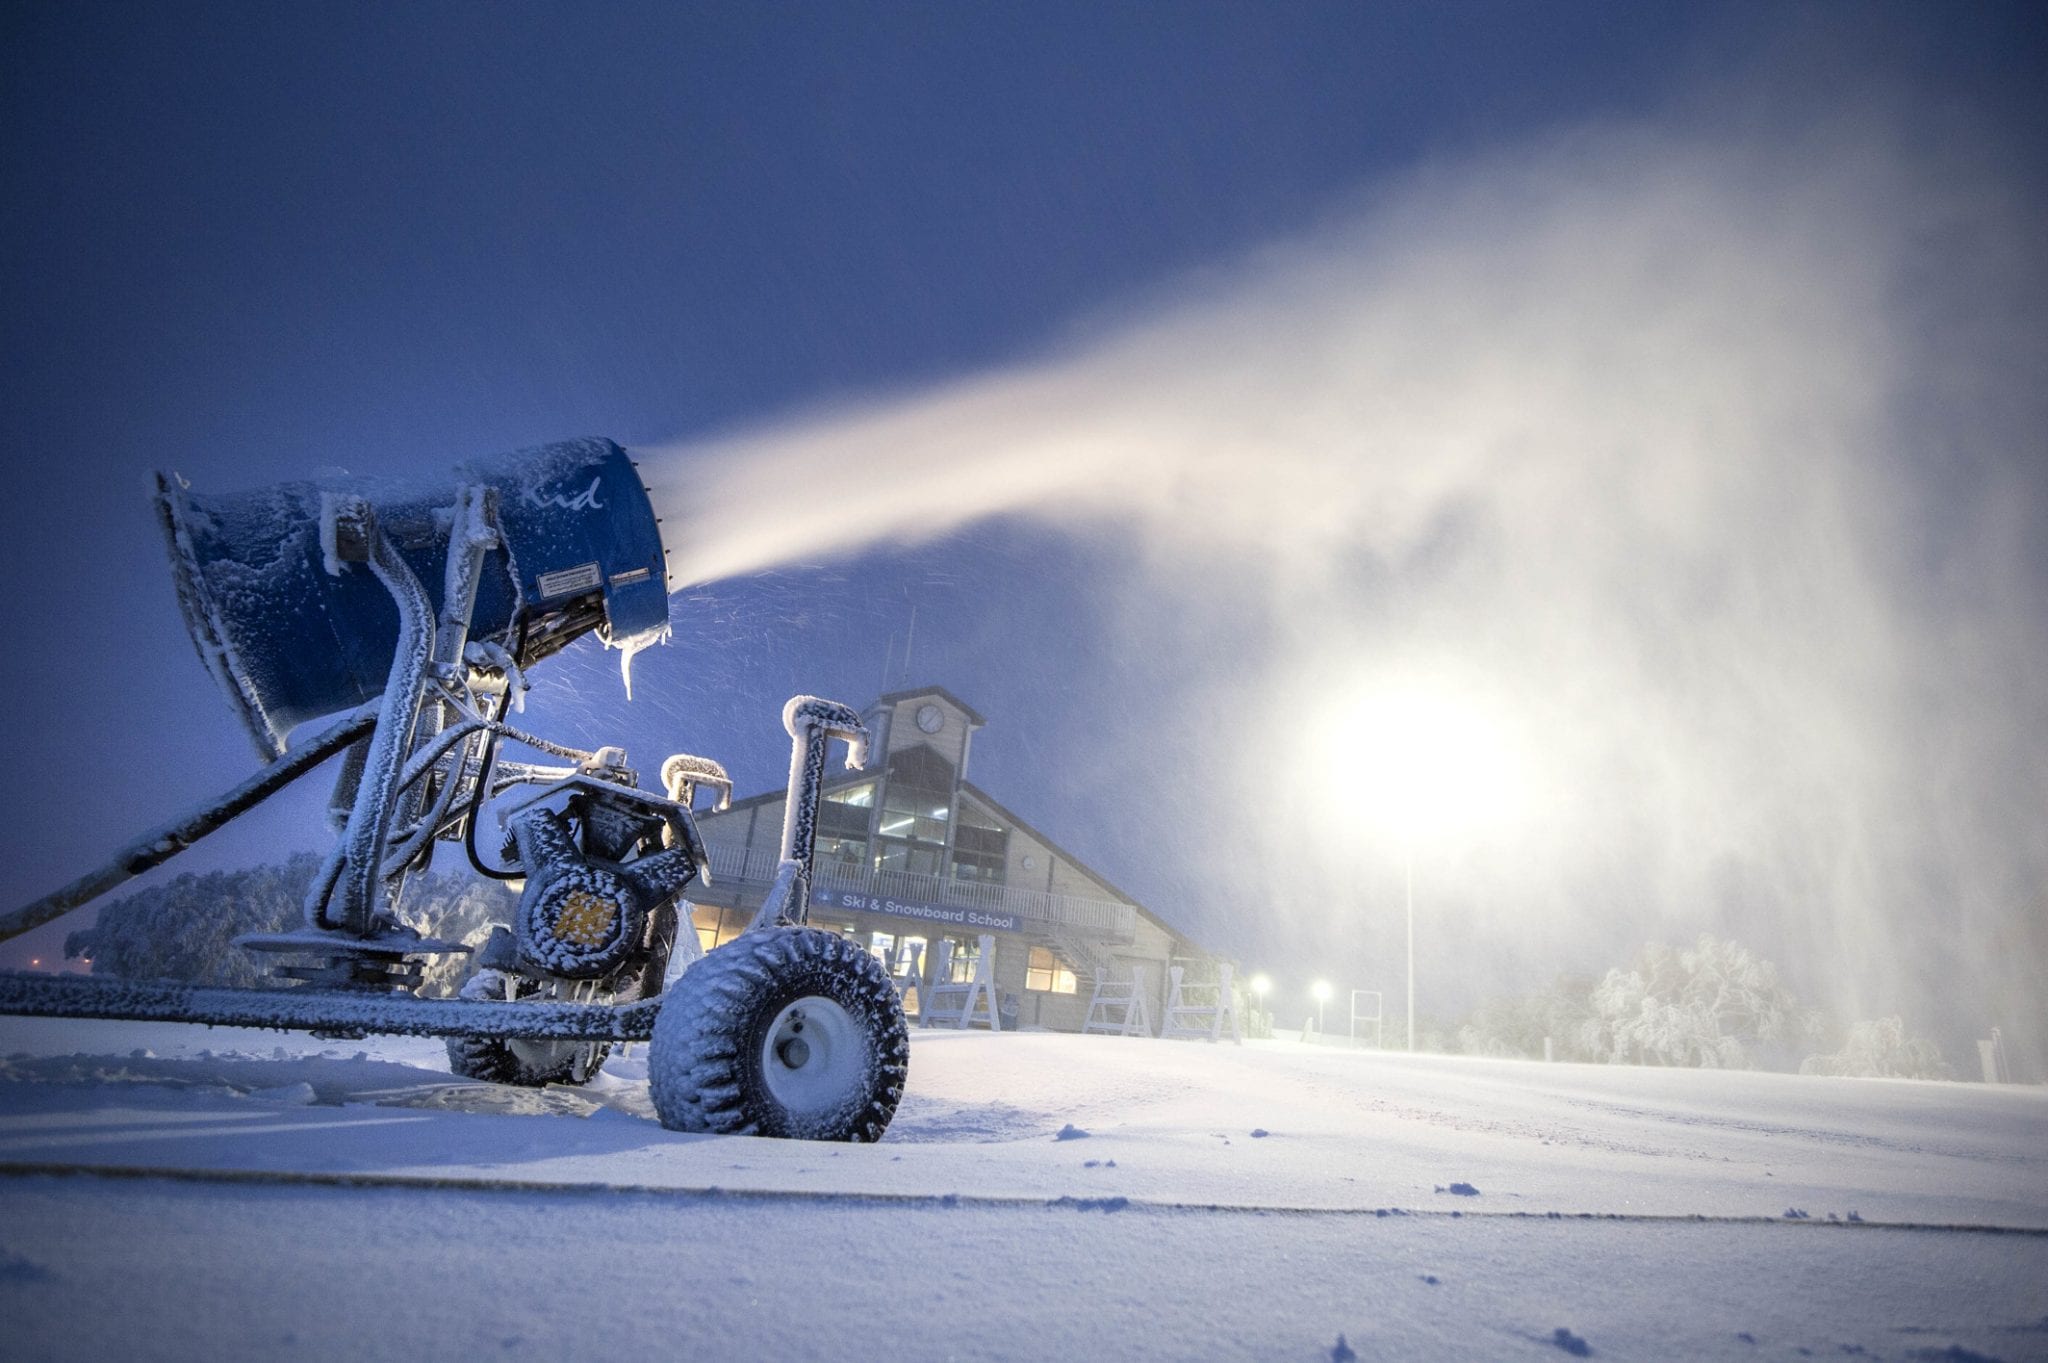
{"x":407,"y":617}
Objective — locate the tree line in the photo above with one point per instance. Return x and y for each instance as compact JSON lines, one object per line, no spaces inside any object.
{"x":185,"y":929}
{"x":1715,"y":1004}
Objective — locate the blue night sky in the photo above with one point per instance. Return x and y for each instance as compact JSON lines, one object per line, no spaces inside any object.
{"x":253,"y":243}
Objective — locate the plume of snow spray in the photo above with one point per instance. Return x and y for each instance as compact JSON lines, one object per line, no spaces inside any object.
{"x":1690,"y":466}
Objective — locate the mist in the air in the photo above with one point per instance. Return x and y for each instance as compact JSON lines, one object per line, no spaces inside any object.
{"x":1694,"y":469}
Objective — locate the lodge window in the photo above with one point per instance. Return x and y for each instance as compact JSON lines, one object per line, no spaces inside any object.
{"x":917,"y":806}
{"x":901,"y":856}
{"x":1045,"y":973}
{"x":981,"y":846}
{"x":985,"y":870}
{"x":920,"y":827}
{"x":842,"y":854}
{"x":844,"y":813}
{"x":715,"y":926}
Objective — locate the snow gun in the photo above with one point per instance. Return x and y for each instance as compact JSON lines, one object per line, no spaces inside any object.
{"x":403,"y":619}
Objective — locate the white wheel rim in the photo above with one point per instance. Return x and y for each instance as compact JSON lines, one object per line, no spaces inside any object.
{"x":813,"y":1057}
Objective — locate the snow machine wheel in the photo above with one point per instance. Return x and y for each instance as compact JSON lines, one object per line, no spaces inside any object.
{"x":788,"y":1032}
{"x":528,"y":1064}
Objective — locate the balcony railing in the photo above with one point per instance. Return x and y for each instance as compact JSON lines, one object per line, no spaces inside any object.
{"x":1105,"y":919}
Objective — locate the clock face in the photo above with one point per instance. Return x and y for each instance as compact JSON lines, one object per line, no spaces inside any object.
{"x":930,"y":718}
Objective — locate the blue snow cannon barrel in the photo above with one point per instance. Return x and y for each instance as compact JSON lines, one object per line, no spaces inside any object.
{"x":290,"y":641}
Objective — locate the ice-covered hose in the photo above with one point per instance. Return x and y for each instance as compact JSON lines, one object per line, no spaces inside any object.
{"x":812,"y":724}
{"x":682,"y":773}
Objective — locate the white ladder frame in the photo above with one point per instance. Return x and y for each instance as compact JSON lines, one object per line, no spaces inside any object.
{"x":1195,"y":1021}
{"x":943,"y":1001}
{"x":1110,"y":994}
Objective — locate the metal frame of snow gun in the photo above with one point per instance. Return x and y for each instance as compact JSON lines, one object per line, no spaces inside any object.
{"x":810,"y":722}
{"x":419,"y":765}
{"x":785,"y":1031}
{"x":329,"y":1012}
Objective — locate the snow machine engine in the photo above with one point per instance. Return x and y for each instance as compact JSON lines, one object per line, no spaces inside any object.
{"x":405,"y":616}
{"x":590,"y":900}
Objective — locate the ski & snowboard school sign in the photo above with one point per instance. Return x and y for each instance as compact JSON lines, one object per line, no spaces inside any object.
{"x":910,"y":908}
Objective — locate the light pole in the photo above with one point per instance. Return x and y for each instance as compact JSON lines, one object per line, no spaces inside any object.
{"x":1322,"y":995}
{"x":1261,"y":983}
{"x":1408,"y":879}
{"x":1426,"y":762}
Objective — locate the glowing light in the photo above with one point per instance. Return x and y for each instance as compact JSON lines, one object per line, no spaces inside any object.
{"x":1262,"y":984}
{"x":1421,"y":760}
{"x":1321,"y":991}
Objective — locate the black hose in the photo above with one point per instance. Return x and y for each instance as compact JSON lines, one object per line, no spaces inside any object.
{"x":476,"y":802}
{"x":483,"y":778}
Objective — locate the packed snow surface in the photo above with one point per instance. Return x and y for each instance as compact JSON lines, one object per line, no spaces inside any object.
{"x":259,"y":1196}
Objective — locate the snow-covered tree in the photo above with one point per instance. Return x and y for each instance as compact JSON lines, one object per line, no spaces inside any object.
{"x":185,"y":928}
{"x":455,"y":908}
{"x":1881,"y":1049}
{"x":1715,"y":1004}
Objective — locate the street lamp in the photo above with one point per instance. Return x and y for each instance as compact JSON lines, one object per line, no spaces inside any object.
{"x":1422,"y":762}
{"x":1261,"y":984}
{"x":1321,"y":990}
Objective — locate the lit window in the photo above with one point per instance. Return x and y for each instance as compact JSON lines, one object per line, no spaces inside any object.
{"x":846,"y":818}
{"x":1046,"y":973}
{"x":716,"y":926}
{"x":842,"y":853}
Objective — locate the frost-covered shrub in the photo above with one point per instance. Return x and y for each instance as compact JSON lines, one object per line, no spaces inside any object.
{"x":1715,"y":1005}
{"x":185,"y":929}
{"x":455,"y":908}
{"x":1880,"y":1049}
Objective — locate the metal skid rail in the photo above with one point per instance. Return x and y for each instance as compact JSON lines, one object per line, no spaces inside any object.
{"x":332,"y":1012}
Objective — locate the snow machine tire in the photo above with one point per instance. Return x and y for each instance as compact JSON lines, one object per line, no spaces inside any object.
{"x":494,"y":1061}
{"x":731,"y":1052}
{"x":498,"y":1060}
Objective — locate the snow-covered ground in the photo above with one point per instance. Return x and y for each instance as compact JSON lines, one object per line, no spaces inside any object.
{"x":257,"y":1195}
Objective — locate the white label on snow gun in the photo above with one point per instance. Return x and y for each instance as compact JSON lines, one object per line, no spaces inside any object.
{"x":568,"y":581}
{"x":627,"y":579}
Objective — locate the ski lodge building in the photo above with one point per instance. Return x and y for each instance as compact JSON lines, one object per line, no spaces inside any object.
{"x":911,"y":854}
